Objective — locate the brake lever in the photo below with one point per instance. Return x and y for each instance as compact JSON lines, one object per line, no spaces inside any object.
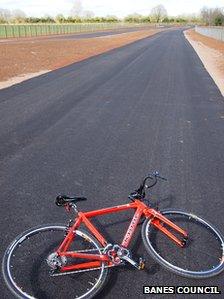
{"x":160,"y":177}
{"x":156,"y":174}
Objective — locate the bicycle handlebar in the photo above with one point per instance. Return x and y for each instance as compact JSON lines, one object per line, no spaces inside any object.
{"x":140,"y":192}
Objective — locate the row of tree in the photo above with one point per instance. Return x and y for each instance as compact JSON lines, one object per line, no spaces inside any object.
{"x":208,"y":16}
{"x":213,"y":16}
{"x":136,"y":18}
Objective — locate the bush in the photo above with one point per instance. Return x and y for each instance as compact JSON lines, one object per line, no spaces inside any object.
{"x":166,"y":20}
{"x":136,"y":18}
{"x":219,"y":20}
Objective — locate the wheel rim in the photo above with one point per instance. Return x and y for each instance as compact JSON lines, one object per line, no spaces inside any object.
{"x":205,"y":272}
{"x":19,"y":292}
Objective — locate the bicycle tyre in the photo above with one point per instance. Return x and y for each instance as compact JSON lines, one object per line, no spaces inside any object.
{"x":210,"y":234}
{"x":9,"y":255}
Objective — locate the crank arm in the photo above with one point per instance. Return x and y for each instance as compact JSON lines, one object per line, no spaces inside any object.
{"x":139,"y":266}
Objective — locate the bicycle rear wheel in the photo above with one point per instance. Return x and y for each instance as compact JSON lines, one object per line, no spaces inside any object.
{"x":203,"y":255}
{"x":27,"y":273}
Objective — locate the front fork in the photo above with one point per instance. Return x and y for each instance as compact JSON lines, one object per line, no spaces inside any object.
{"x":158,"y":220}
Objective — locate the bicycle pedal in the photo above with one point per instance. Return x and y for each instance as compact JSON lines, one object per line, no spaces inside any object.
{"x":141,"y":264}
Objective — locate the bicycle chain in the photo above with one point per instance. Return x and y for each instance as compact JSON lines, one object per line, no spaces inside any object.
{"x":84,"y":270}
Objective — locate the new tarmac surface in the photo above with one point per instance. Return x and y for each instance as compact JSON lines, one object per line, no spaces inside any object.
{"x":96,"y":127}
{"x":100,"y":33}
{"x":82,"y":35}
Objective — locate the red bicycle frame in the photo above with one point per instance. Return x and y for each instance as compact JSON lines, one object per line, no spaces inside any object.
{"x":95,"y":260}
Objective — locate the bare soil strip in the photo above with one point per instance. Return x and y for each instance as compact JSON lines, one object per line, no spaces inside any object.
{"x":211,"y":53}
{"x":26,"y":59}
{"x":21,"y":78}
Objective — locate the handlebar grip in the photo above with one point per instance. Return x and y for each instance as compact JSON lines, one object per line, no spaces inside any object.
{"x":162,"y":178}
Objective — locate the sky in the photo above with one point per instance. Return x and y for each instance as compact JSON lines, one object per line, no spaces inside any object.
{"x":119,"y":8}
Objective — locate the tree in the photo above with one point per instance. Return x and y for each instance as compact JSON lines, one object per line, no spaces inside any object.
{"x":47,"y":19}
{"x":158,"y":13}
{"x":133,"y":18}
{"x":206,"y":14}
{"x":111,"y":19}
{"x":5,"y":15}
{"x":146,"y":19}
{"x":212,"y":16}
{"x":60,"y":18}
{"x":166,"y":20}
{"x":88,"y":14}
{"x":77,"y":9}
{"x":181,"y":20}
{"x":18,"y":16}
{"x":218,"y":17}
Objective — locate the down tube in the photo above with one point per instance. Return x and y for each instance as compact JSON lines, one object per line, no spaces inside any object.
{"x":132,"y":227}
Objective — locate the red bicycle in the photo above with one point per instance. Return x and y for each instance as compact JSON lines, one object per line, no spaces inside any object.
{"x":56,"y":261}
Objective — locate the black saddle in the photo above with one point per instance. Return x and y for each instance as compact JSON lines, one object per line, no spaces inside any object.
{"x":62,"y":200}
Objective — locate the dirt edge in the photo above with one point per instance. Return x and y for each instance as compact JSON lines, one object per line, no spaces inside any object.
{"x":208,"y":57}
{"x":21,"y":78}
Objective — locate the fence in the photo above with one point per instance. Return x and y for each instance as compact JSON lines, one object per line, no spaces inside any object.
{"x":28,"y":30}
{"x":215,"y":32}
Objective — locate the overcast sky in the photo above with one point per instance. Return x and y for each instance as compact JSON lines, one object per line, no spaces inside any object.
{"x":108,"y":7}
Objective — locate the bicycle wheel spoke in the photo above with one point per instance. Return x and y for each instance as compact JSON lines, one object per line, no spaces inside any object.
{"x":203,"y":254}
{"x":27,"y":270}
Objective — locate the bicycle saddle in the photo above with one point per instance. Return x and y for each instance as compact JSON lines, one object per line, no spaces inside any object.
{"x":62,"y":200}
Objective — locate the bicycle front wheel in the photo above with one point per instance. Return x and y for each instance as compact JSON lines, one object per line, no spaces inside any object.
{"x":203,"y":255}
{"x":26,"y":267}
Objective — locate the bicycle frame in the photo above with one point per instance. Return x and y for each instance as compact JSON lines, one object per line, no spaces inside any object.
{"x":95,"y":260}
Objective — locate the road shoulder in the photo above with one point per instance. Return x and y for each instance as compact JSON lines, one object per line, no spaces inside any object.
{"x":211,"y":53}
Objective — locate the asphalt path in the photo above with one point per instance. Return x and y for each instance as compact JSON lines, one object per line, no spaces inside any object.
{"x":101,"y":33}
{"x":96,"y":127}
{"x":82,"y":35}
